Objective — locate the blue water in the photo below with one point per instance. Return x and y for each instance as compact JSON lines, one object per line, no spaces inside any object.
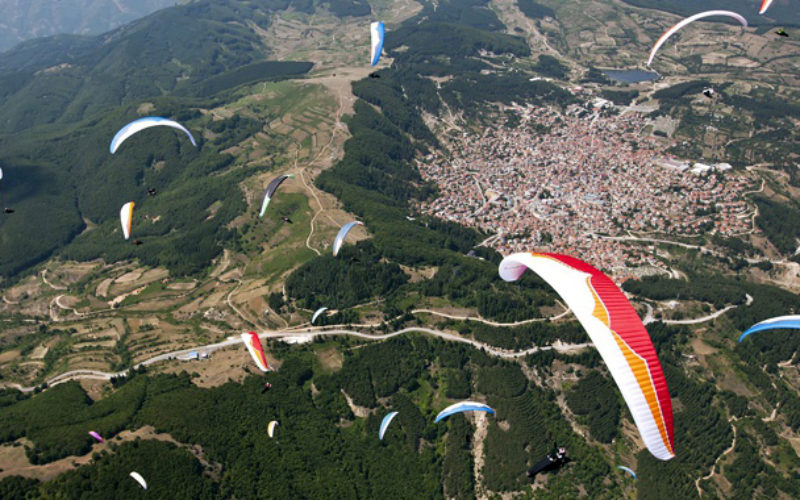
{"x":631,"y":75}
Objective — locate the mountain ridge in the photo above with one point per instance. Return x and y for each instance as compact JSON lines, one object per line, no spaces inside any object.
{"x":28,"y":19}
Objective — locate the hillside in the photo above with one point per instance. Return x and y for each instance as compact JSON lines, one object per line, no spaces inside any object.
{"x":781,"y":11}
{"x":489,"y":127}
{"x":27,"y":19}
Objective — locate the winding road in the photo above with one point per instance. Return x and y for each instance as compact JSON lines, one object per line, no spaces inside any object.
{"x":713,"y":472}
{"x":490,"y":322}
{"x":235,"y":340}
{"x":649,"y":318}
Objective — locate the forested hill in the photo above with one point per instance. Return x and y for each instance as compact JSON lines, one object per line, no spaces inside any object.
{"x":781,"y":11}
{"x":377,"y":179}
{"x":22,"y":20}
{"x":62,"y":98}
{"x":174,"y":51}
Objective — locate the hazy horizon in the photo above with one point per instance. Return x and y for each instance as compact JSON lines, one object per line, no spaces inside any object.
{"x":22,"y":20}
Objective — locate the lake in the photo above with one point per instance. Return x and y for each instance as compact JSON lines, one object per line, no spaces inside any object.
{"x":631,"y":75}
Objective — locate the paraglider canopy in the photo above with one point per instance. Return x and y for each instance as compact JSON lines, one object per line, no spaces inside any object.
{"x":126,"y":218}
{"x":271,"y":428}
{"x":462,"y":407}
{"x":337,"y":243}
{"x":764,"y":6}
{"x":317,"y":313}
{"x":777,"y":323}
{"x":137,"y":126}
{"x":253,"y":344}
{"x":617,"y":332}
{"x":96,"y":436}
{"x":385,"y":424}
{"x":626,"y":469}
{"x":270,"y":191}
{"x":377,"y":32}
{"x":139,"y":479}
{"x":690,"y":20}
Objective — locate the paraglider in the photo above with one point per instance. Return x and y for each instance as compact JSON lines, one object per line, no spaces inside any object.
{"x":617,"y":332}
{"x":142,"y":124}
{"x":708,"y":92}
{"x":626,"y":469}
{"x":377,"y":33}
{"x":253,"y":344}
{"x":96,"y":436}
{"x":270,"y":191}
{"x":137,"y":242}
{"x":126,"y":218}
{"x":778,"y":323}
{"x":6,"y":210}
{"x":462,"y":407}
{"x":782,"y":32}
{"x":553,"y":460}
{"x":317,"y":313}
{"x":267,"y":387}
{"x":139,"y":479}
{"x":152,"y":191}
{"x":287,"y":220}
{"x":337,"y":243}
{"x":271,"y":428}
{"x":764,"y":6}
{"x":385,"y":424}
{"x":667,"y":34}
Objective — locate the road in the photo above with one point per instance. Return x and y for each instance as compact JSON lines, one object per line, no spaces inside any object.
{"x":702,"y":249}
{"x":235,"y":340}
{"x":713,"y":472}
{"x":649,"y":318}
{"x":490,"y":322}
{"x":51,"y":285}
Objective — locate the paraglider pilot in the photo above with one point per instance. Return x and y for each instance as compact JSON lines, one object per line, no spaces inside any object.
{"x":552,"y":461}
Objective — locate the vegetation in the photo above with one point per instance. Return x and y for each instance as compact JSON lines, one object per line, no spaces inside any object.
{"x":39,"y":18}
{"x":551,"y":67}
{"x":322,"y":448}
{"x":535,"y":10}
{"x":718,"y":290}
{"x":689,"y":7}
{"x":261,"y":71}
{"x":595,"y":398}
{"x":59,"y":177}
{"x":170,"y":472}
{"x":377,"y":179}
{"x":780,"y":223}
{"x":344,"y":281}
{"x":311,"y":453}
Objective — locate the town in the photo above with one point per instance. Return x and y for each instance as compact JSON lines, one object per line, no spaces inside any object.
{"x":549,"y":180}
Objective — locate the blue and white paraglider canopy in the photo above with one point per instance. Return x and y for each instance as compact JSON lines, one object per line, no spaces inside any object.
{"x":377,"y":34}
{"x":778,"y":323}
{"x":337,"y":243}
{"x":385,"y":424}
{"x":462,"y":407}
